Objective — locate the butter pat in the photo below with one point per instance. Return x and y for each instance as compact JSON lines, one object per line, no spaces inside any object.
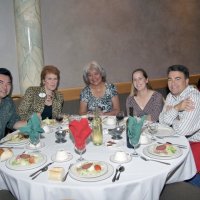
{"x":56,"y":173}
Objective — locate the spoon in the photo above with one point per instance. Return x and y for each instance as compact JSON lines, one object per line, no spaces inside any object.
{"x":117,"y":169}
{"x":121,"y":169}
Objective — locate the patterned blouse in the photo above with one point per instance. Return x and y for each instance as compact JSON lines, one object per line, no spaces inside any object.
{"x":8,"y":116}
{"x":104,"y":103}
{"x":153,"y":107}
{"x":34,"y":101}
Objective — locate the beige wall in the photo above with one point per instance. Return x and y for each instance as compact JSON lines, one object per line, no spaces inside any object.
{"x":120,"y":34}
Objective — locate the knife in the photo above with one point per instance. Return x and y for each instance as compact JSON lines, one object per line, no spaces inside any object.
{"x":41,"y":169}
{"x":64,"y":178}
{"x":4,"y":142}
{"x":12,"y":147}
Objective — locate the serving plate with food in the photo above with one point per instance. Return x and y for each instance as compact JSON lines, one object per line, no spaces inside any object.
{"x":15,"y":138}
{"x":162,"y":151}
{"x":26,"y":161}
{"x":49,"y":122}
{"x":91,"y":171}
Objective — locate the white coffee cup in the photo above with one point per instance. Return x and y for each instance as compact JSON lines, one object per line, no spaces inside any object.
{"x":111,"y":121}
{"x":61,"y":155}
{"x":144,"y":139}
{"x":46,"y":129}
{"x":121,"y":156}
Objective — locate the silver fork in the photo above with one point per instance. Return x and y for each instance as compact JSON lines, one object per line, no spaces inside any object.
{"x":43,"y":170}
{"x":148,"y":159}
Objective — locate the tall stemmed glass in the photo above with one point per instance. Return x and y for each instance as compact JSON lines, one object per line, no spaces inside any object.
{"x":80,"y":149}
{"x":119,"y":117}
{"x":59,"y":120}
{"x":90,"y":117}
{"x":134,"y":141}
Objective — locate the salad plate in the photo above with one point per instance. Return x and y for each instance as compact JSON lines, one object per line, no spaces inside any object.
{"x":162,"y":152}
{"x":95,"y":171}
{"x":26,"y":161}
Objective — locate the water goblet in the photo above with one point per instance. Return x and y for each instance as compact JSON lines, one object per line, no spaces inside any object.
{"x":153,"y":129}
{"x":34,"y":140}
{"x":119,"y":117}
{"x":90,"y":117}
{"x":134,"y":141}
{"x":59,"y":118}
{"x":80,"y":149}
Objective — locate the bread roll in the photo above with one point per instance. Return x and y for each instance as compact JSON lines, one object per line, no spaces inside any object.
{"x":5,"y":153}
{"x":56,"y":173}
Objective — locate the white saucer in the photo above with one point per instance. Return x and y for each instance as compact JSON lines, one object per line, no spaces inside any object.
{"x":112,"y":159}
{"x":70,"y":156}
{"x":38,"y":146}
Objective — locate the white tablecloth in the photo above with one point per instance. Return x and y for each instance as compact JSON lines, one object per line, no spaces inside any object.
{"x":140,"y":181}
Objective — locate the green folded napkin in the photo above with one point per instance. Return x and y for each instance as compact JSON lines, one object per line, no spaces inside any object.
{"x":135,"y":128}
{"x":33,"y":126}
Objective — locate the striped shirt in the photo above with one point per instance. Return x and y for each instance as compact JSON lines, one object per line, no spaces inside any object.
{"x":183,"y":122}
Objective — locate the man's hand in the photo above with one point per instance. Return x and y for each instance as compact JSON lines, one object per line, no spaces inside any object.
{"x":185,"y":105}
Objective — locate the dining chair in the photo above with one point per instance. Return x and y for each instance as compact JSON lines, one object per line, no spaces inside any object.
{"x":6,"y":195}
{"x":180,"y":190}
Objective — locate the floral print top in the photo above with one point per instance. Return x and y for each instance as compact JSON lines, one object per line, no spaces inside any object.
{"x":104,"y":102}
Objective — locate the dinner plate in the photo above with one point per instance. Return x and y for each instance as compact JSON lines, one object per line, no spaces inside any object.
{"x":69,"y":157}
{"x":112,"y":159}
{"x":149,"y":151}
{"x":107,"y":172}
{"x":14,"y":142}
{"x":41,"y":160}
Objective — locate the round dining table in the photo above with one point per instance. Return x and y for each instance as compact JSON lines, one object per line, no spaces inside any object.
{"x":141,"y":180}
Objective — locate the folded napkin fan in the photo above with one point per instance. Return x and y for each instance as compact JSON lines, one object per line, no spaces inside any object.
{"x":33,"y":126}
{"x":135,"y":128}
{"x":80,"y":131}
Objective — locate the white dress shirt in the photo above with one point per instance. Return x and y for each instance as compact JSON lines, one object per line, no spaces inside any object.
{"x":183,"y":122}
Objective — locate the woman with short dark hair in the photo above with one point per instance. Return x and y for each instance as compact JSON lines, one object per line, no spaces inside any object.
{"x":98,"y":93}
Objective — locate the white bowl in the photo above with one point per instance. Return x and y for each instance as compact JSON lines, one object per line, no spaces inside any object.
{"x":110,"y":121}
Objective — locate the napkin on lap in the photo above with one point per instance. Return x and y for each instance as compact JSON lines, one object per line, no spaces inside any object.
{"x":80,"y":131}
{"x":33,"y":126}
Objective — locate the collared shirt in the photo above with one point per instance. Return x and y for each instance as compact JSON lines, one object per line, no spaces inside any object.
{"x":183,"y":122}
{"x":8,"y":115}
